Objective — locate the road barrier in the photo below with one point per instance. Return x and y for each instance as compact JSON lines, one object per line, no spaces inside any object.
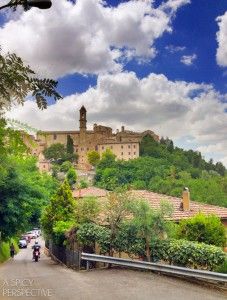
{"x":167,"y":269}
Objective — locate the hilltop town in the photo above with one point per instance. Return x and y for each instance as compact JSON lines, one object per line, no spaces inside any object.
{"x":123,"y":143}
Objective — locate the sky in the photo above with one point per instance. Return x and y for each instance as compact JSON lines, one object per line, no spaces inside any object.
{"x":158,"y":65}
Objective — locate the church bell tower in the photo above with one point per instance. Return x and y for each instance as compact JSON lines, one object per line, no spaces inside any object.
{"x":83,"y":119}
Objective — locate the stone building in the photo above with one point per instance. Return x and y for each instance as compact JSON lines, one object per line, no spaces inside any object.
{"x":123,"y":143}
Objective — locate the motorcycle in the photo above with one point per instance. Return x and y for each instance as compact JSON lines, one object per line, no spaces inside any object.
{"x":36,"y":255}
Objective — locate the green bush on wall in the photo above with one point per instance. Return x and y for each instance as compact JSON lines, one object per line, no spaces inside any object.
{"x":188,"y":254}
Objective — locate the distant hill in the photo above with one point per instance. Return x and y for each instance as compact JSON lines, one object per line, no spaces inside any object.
{"x":164,"y":168}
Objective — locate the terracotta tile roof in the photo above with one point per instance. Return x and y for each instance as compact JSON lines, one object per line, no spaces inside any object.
{"x":90,"y":191}
{"x":154,"y":200}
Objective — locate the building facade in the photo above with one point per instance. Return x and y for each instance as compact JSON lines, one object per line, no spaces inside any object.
{"x":123,"y":143}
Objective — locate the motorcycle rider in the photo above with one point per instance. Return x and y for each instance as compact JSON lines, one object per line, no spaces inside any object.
{"x":36,"y":247}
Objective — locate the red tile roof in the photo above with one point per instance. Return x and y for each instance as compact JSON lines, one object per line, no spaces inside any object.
{"x":154,"y":200}
{"x":90,"y":191}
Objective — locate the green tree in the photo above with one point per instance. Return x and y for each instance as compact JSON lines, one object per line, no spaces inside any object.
{"x":202,"y":228}
{"x":71,"y":176}
{"x":60,"y":209}
{"x":150,"y":223}
{"x":108,"y":159}
{"x":55,"y":153}
{"x":66,"y":165}
{"x":18,"y":80}
{"x":23,"y":193}
{"x":93,"y":157}
{"x":69,"y":145}
{"x":115,"y":211}
{"x":58,"y":154}
{"x":87,"y":210}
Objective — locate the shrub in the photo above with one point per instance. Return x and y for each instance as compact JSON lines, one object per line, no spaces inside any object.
{"x":188,"y":254}
{"x":203,"y":229}
{"x":89,"y":233}
{"x":222,"y":268}
{"x":71,"y":176}
{"x":66,"y":166}
{"x":83,"y":184}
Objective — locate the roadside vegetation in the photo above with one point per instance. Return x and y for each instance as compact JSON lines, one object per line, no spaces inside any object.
{"x":23,"y":190}
{"x":122,"y":224}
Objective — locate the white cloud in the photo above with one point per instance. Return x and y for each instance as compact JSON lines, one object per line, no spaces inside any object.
{"x":221,"y":55}
{"x":174,"y":49}
{"x":188,"y":60}
{"x":177,"y":109}
{"x":88,"y":37}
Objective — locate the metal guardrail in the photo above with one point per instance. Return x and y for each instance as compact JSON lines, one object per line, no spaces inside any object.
{"x":167,"y":269}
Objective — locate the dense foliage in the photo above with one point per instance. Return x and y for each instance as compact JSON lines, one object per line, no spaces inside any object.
{"x":23,"y":193}
{"x":58,"y":154}
{"x":188,"y":254}
{"x":23,"y":189}
{"x":202,"y":228}
{"x":93,"y":157}
{"x":125,"y":222}
{"x":59,"y":214}
{"x":71,"y":176}
{"x":166,"y":169}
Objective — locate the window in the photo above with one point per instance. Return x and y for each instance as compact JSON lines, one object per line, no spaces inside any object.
{"x":134,"y":153}
{"x":129,"y":146}
{"x":96,"y":148}
{"x":82,"y":149}
{"x":129,"y":153}
{"x":111,"y":147}
{"x":103,"y":147}
{"x":122,"y":153}
{"x":87,"y":149}
{"x":55,"y":136}
{"x":134,"y":146}
{"x":122,"y":146}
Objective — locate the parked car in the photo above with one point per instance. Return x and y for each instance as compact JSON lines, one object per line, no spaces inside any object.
{"x":22,"y":243}
{"x":26,"y":237}
{"x":32,"y":234}
{"x":37,"y":231}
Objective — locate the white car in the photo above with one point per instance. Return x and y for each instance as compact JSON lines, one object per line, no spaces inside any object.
{"x":37,"y":231}
{"x":22,"y":243}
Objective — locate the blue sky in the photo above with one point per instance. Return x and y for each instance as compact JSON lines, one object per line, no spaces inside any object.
{"x":158,"y":64}
{"x":193,"y":28}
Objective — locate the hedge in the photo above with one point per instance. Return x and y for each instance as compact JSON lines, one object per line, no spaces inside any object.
{"x":188,"y":254}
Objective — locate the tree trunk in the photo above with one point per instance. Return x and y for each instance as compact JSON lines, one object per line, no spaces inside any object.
{"x":148,"y":250}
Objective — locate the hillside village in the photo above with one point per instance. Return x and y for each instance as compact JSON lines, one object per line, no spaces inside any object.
{"x":124,"y":144}
{"x":133,"y":206}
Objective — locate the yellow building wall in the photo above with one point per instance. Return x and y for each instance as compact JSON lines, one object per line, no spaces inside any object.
{"x":123,"y":151}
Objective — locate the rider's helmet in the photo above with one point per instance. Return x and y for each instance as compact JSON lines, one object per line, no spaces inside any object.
{"x":36,"y":242}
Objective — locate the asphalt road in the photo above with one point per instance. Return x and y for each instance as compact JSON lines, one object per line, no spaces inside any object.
{"x":21,"y":278}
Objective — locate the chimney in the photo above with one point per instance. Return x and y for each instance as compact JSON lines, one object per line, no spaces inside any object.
{"x":122,"y":128}
{"x":186,"y":199}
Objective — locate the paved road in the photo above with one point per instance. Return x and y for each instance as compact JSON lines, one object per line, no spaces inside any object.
{"x":33,"y":280}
